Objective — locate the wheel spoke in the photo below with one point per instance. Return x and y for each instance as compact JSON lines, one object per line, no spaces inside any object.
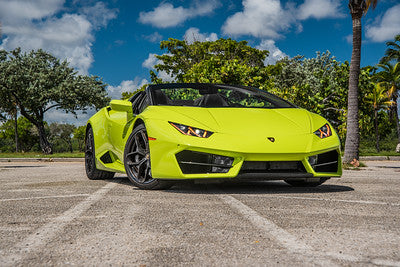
{"x":144,"y":137}
{"x":136,"y":152}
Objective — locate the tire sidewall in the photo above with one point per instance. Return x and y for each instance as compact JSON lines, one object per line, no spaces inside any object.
{"x":150,"y":185}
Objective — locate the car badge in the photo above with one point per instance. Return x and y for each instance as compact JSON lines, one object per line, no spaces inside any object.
{"x":271,"y":139}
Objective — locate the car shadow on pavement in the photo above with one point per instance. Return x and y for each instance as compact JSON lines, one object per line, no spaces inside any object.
{"x":259,"y":187}
{"x":241,"y":187}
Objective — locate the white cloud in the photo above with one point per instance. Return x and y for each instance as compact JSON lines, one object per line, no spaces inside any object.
{"x":154,"y":37}
{"x":193,"y":34}
{"x":269,"y":18}
{"x":320,"y":9}
{"x":349,"y":38}
{"x":60,"y":116}
{"x":115,"y":92}
{"x":259,"y":18}
{"x":166,"y":15}
{"x":17,"y":11}
{"x":67,"y":36}
{"x":149,"y":63}
{"x":99,"y":14}
{"x":385,"y":28}
{"x":275,"y":53}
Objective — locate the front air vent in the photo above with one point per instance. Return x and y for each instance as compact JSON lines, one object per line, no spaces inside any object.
{"x":272,"y":167}
{"x":325,"y":162}
{"x":106,"y":158}
{"x":193,"y":162}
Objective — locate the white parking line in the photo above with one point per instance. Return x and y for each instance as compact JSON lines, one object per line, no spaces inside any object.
{"x":44,"y":197}
{"x":336,"y":200}
{"x":294,"y":245}
{"x":285,"y":239}
{"x":44,"y":234}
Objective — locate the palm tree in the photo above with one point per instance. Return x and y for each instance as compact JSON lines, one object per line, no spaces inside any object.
{"x":379,"y":98}
{"x":393,"y":50}
{"x":390,"y":75}
{"x":357,"y":9}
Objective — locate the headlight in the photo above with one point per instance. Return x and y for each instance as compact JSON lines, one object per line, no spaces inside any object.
{"x":187,"y":130}
{"x":324,"y":131}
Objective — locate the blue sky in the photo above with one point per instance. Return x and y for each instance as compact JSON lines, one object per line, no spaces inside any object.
{"x":117,"y":39}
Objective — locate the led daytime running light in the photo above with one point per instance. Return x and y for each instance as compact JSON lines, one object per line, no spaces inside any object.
{"x":191,"y":131}
{"x":324,"y":131}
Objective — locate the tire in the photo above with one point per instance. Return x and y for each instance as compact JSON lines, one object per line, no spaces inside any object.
{"x":303,"y":183}
{"x":90,"y":160}
{"x":137,"y":161}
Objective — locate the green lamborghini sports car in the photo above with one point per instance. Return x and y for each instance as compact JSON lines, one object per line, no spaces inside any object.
{"x":172,"y":132}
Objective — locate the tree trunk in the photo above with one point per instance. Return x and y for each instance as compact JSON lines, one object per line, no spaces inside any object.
{"x":70,"y":146}
{"x":44,"y":143}
{"x":376,"y":129}
{"x":16,"y":131}
{"x":353,"y":131}
{"x":396,"y":115}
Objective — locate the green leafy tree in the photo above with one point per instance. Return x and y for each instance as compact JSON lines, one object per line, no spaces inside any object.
{"x":8,"y":107}
{"x":393,"y":50}
{"x":390,"y":75}
{"x":79,"y":136}
{"x":318,"y":84}
{"x":38,"y":82}
{"x":379,"y":98}
{"x":27,"y":135}
{"x":357,"y":9}
{"x":222,"y":60}
{"x":61,"y":136}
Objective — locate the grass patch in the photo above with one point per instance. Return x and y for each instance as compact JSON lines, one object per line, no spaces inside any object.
{"x":41,"y":155}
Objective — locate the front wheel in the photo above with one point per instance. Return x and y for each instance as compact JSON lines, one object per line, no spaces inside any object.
{"x":137,"y":161}
{"x":305,"y":183}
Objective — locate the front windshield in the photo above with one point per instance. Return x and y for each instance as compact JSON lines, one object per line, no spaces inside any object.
{"x":216,"y":96}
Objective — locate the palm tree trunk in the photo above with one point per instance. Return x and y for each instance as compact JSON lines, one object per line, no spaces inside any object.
{"x":353,"y":131}
{"x":376,"y":129}
{"x":396,"y":117}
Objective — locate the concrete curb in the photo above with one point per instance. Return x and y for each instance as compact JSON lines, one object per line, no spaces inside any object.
{"x":378,"y":158}
{"x":42,"y":159}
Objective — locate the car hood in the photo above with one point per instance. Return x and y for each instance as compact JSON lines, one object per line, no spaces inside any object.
{"x":240,"y":121}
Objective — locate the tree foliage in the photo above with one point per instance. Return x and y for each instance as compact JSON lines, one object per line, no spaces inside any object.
{"x":28,"y":137}
{"x":61,"y":136}
{"x":392,"y":52}
{"x":223,"y":61}
{"x":37,"y":82}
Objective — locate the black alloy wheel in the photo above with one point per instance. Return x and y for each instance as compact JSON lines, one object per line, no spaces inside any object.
{"x":137,"y":161}
{"x":90,"y":160}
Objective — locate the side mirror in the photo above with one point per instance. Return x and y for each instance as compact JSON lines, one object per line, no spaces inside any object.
{"x":121,"y":105}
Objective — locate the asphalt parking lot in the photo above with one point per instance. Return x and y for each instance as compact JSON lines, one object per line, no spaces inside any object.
{"x":51,"y":214}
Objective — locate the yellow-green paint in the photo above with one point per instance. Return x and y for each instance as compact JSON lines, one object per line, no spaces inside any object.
{"x":241,"y":133}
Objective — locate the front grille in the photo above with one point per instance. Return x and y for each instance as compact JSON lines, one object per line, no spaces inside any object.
{"x":272,"y":167}
{"x":327,"y":162}
{"x":193,"y":162}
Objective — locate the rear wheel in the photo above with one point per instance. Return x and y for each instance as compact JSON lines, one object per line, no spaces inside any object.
{"x":90,"y":160}
{"x":305,"y":183}
{"x":137,"y":161}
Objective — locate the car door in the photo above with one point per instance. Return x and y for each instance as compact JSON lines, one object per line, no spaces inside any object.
{"x":119,"y":122}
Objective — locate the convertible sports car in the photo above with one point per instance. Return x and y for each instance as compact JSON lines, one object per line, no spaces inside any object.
{"x":171,"y":132}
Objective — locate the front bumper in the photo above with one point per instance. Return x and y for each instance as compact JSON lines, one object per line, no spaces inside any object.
{"x":248,"y":158}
